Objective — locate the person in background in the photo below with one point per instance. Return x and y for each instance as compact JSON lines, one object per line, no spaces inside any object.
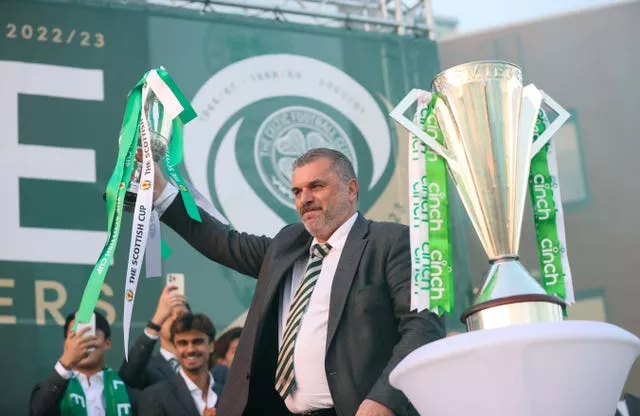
{"x":80,"y":384}
{"x":223,"y":353}
{"x":171,"y":305}
{"x":193,"y":391}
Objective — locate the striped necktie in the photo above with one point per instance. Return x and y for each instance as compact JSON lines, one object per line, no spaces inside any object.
{"x":174,"y":364}
{"x":285,"y":379}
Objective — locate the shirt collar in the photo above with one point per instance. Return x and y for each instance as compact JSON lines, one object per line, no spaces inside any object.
{"x":339,"y":236}
{"x":93,"y":378}
{"x":167,"y":354}
{"x":192,"y":386}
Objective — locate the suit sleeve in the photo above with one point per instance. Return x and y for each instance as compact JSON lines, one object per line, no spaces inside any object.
{"x":149,"y":404}
{"x":133,"y":372}
{"x":45,"y":396}
{"x":219,"y":242}
{"x":415,"y":329}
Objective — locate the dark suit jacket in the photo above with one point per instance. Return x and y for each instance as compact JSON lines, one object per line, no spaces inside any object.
{"x":633,"y":404}
{"x":134,"y":374}
{"x":46,"y":396}
{"x":370,"y":327}
{"x":171,"y":397}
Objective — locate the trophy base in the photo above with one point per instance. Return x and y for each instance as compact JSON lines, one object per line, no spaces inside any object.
{"x":511,"y":296}
{"x":544,"y":369}
{"x":513,"y":310}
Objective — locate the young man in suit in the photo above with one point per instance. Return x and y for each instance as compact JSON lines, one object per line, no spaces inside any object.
{"x":193,"y":390}
{"x":164,"y":365}
{"x":348,"y":277}
{"x":80,"y":383}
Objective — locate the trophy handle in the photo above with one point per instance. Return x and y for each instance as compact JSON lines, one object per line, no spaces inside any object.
{"x":398,"y":115}
{"x":563,"y":116}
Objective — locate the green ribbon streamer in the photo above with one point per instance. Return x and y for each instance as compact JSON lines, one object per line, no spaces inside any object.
{"x":441,"y":260}
{"x":116,"y":188}
{"x":116,"y":398}
{"x":174,"y":154}
{"x":541,"y":188}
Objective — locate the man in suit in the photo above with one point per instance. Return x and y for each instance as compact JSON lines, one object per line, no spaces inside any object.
{"x":192,"y":391}
{"x":348,"y":277}
{"x":80,"y":383}
{"x":163,"y":365}
{"x":628,"y":406}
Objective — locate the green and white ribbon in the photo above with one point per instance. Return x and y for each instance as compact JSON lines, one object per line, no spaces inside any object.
{"x":172,"y":113}
{"x":431,"y":241}
{"x":419,"y":216}
{"x":114,"y":393}
{"x":116,"y":188}
{"x":544,"y":189}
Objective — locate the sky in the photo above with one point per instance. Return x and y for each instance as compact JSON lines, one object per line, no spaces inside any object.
{"x":475,"y":15}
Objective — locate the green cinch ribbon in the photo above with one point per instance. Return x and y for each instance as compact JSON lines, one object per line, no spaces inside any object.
{"x":440,"y":252}
{"x":174,"y":154}
{"x":116,"y":397}
{"x":116,"y":188}
{"x":541,"y":189}
{"x":120,"y":179}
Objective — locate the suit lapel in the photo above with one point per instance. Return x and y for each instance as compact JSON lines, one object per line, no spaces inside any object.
{"x":283,"y":266}
{"x":345,"y":273}
{"x":183,"y":395}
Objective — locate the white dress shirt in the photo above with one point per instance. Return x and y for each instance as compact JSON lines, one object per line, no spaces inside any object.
{"x":196,"y":393}
{"x":622,"y":408}
{"x":312,"y":389}
{"x":92,"y":387}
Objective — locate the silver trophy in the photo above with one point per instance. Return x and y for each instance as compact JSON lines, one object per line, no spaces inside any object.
{"x":487,"y":118}
{"x":160,"y":128}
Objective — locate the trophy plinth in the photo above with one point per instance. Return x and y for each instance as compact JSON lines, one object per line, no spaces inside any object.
{"x":496,"y":307}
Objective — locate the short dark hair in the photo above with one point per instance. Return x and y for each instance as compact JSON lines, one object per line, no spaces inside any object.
{"x":101,"y":324}
{"x":194,"y":322}
{"x":341,"y":163}
{"x":222,"y":344}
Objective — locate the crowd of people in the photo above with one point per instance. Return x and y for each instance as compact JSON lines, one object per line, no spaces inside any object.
{"x":184,"y":375}
{"x":329,"y":320}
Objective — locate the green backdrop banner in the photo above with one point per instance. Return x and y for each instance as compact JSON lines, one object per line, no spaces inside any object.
{"x":264,"y":92}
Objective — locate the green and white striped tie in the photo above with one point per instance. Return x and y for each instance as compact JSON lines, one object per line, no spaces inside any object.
{"x":285,"y":378}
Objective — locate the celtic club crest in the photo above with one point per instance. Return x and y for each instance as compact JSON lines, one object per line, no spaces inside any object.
{"x":287,"y":134}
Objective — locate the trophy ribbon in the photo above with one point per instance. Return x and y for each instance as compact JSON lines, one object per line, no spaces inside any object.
{"x":419,"y":219}
{"x":116,"y":189}
{"x":431,"y":252}
{"x":548,"y":215}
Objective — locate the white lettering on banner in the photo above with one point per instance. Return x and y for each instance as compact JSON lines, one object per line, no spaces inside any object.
{"x":57,"y":295}
{"x":17,"y":161}
{"x":4,"y":301}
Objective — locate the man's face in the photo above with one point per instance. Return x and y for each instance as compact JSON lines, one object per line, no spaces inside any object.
{"x":231,"y":351}
{"x":165,"y":329}
{"x":95,"y":357}
{"x":193,"y":349}
{"x":323,"y":200}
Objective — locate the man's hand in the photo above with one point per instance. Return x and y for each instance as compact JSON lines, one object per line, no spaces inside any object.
{"x":159,"y":181}
{"x":209,"y":411}
{"x":168,"y":300}
{"x":372,"y":408}
{"x":76,"y":347}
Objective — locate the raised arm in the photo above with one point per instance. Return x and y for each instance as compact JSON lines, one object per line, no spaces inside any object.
{"x":219,"y":242}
